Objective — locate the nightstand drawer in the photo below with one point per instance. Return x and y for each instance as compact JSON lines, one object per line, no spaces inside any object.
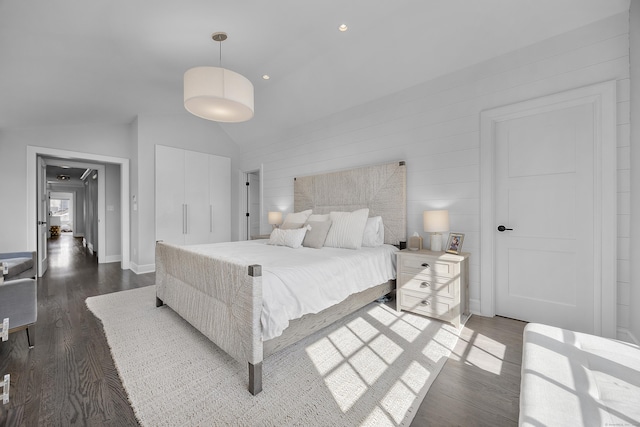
{"x":426,"y":266}
{"x":426,"y":304}
{"x":427,"y":284}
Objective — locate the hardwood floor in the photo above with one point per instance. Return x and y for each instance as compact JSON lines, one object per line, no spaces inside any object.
{"x":69,"y":377}
{"x":480,"y":383}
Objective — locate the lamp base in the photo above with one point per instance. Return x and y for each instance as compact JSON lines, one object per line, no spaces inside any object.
{"x":436,"y":242}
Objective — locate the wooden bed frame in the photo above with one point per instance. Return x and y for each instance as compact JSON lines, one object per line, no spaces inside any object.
{"x":223,"y":298}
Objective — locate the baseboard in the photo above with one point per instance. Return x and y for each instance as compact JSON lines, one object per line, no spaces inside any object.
{"x":112,"y":258}
{"x":474,"y":306}
{"x":142,"y":269}
{"x":625,"y":334}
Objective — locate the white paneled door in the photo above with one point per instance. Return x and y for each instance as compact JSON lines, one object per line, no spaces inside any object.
{"x":544,"y":175}
{"x":548,"y":210}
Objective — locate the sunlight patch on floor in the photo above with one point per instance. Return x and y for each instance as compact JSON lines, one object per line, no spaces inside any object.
{"x":395,"y":402}
{"x":482,"y":352}
{"x":384,"y":347}
{"x":346,"y":386}
{"x":323,"y":356}
{"x":355,"y":357}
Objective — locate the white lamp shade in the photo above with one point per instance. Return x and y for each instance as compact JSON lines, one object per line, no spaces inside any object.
{"x":436,"y":221}
{"x":218,"y":94}
{"x":275,"y":218}
{"x":54,"y":220}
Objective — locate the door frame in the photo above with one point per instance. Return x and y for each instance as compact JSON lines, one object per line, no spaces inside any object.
{"x":244,"y":208}
{"x":33,"y":152}
{"x":602,"y":98}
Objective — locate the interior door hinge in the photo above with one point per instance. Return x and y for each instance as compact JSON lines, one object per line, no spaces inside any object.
{"x":247,"y":213}
{"x":247,"y":183}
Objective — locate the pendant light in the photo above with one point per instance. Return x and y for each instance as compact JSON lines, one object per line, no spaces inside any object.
{"x":218,"y":94}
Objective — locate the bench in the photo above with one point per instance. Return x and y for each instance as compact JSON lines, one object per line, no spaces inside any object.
{"x":576,"y":379}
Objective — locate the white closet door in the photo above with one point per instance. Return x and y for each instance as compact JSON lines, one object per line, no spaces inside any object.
{"x":196,"y":191}
{"x":169,"y":195}
{"x":219,"y":199}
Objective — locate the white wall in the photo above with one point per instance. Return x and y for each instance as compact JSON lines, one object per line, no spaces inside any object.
{"x":183,"y":131}
{"x":108,"y":140}
{"x":434,"y":127}
{"x":633,"y":295}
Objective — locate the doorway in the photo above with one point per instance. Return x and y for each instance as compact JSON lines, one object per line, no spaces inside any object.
{"x":253,"y":204}
{"x":82,"y":159}
{"x":548,"y":210}
{"x":62,"y":206}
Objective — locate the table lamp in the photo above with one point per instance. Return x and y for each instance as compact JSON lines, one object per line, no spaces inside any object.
{"x":274,"y":218}
{"x":436,"y":222}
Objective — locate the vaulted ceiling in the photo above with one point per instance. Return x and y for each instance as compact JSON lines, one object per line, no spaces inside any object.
{"x":105,"y":61}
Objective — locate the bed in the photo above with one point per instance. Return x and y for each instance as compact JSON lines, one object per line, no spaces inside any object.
{"x":220,"y":292}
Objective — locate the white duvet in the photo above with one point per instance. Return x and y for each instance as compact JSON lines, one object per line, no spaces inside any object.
{"x":299,"y":281}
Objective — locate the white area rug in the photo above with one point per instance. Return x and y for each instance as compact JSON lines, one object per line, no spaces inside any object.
{"x":372,"y":368}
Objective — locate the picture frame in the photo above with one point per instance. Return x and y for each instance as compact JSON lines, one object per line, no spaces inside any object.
{"x":454,"y":244}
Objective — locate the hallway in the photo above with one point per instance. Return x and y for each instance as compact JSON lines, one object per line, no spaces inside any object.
{"x":68,"y":377}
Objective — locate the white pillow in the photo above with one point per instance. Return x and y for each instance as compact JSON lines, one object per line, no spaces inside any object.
{"x":292,"y":238}
{"x":373,"y":232}
{"x":298,"y":217}
{"x":318,"y":217}
{"x":347,"y":229}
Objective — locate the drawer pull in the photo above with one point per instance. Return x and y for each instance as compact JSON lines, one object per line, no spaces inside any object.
{"x":425,"y":302}
{"x":424,"y":264}
{"x":425,"y":284}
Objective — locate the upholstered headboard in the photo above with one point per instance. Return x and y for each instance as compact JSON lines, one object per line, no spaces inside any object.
{"x":381,"y":188}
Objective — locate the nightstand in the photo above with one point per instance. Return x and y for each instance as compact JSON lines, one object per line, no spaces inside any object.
{"x":433,"y":284}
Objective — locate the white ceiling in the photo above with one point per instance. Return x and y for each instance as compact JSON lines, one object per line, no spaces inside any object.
{"x":105,"y":61}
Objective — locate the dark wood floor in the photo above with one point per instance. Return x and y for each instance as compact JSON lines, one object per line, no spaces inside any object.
{"x":69,"y":377}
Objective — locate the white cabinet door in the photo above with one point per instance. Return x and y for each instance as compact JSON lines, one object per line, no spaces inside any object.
{"x":193,"y":197}
{"x":196,"y":197}
{"x":170,"y":203}
{"x":219,"y":199}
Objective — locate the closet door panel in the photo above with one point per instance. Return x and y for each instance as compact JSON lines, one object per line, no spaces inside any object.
{"x":169,"y":194}
{"x":219,"y":199}
{"x":196,"y":193}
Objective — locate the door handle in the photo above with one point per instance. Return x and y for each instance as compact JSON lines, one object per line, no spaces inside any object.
{"x":502,"y":228}
{"x":184,"y":219}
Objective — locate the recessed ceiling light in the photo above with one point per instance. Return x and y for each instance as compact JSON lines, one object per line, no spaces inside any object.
{"x":343,"y":27}
{"x":65,"y":167}
{"x":265,"y":77}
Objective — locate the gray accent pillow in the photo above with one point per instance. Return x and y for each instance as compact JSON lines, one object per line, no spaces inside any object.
{"x":317,"y":234}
